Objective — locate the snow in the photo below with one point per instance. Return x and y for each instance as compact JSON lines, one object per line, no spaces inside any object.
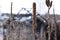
{"x":1,"y":33}
{"x":17,"y":19}
{"x":1,"y":23}
{"x":25,"y":18}
{"x":1,"y":37}
{"x":58,"y":21}
{"x":4,"y":17}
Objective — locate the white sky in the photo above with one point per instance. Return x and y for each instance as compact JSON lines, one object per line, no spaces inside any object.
{"x":18,"y":4}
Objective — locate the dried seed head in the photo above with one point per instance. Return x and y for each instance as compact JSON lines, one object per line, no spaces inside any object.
{"x":51,"y":3}
{"x":48,"y":3}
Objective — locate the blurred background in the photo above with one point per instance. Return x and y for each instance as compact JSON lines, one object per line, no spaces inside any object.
{"x":25,"y":7}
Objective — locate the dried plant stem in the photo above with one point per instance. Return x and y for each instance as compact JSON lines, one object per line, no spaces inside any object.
{"x":10,"y":26}
{"x":34,"y":25}
{"x":44,"y":35}
{"x":11,"y":16}
{"x":55,"y":26}
{"x":48,"y":28}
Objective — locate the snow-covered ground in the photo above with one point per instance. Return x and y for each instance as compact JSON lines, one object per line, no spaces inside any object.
{"x":1,"y":33}
{"x":1,"y":37}
{"x":22,"y":19}
{"x":1,"y":22}
{"x":3,"y":17}
{"x":25,"y":18}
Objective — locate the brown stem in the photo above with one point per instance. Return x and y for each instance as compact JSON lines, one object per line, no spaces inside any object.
{"x":34,"y":25}
{"x":55,"y":26}
{"x":48,"y":28}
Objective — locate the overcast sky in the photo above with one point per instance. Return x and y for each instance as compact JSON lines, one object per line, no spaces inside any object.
{"x":18,"y":4}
